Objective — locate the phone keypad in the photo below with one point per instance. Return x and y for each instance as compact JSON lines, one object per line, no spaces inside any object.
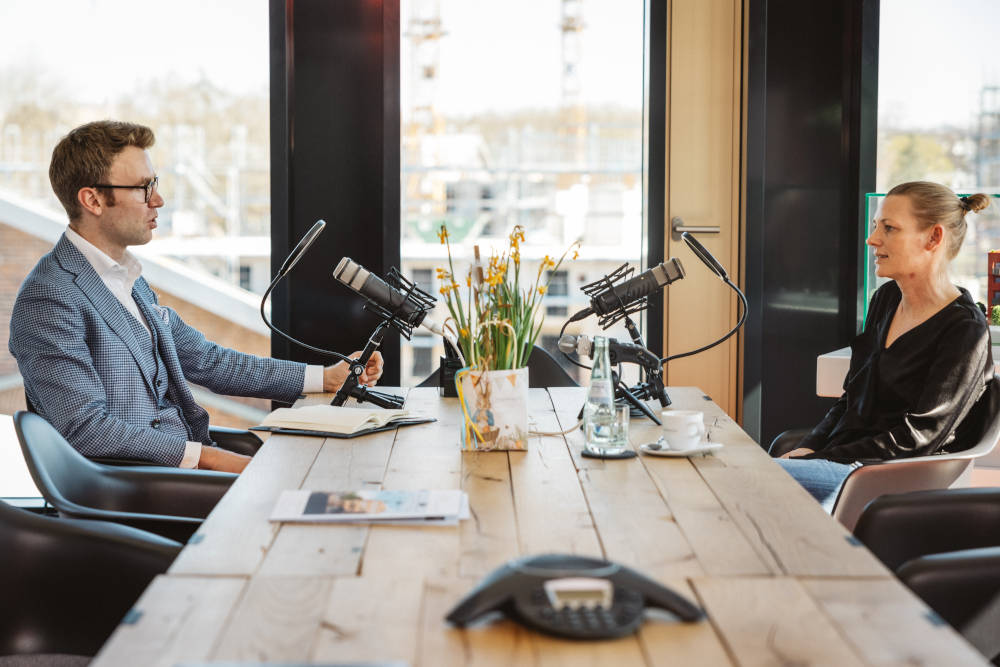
{"x":585,"y":622}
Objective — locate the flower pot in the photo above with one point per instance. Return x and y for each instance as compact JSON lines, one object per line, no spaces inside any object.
{"x":494,"y":408}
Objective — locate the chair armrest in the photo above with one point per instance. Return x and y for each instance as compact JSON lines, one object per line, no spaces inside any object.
{"x":169,"y":491}
{"x":236,"y":440}
{"x":103,"y":460}
{"x":868,"y":482}
{"x":176,"y":528}
{"x":900,"y":527}
{"x":787,"y":441}
{"x":958,"y":586}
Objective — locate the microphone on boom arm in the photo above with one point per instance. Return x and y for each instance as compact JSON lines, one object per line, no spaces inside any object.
{"x":356,"y":366}
{"x":403,"y":301}
{"x":618,"y":353}
{"x":399,"y":303}
{"x":614,"y":297}
{"x":613,"y":302}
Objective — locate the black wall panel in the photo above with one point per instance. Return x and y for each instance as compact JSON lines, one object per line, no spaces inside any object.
{"x":810,"y":158}
{"x":335,"y":156}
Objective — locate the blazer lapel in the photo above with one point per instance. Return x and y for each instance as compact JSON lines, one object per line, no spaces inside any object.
{"x":106,"y":303}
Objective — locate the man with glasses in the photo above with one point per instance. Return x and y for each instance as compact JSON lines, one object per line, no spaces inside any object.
{"x":101,"y":359}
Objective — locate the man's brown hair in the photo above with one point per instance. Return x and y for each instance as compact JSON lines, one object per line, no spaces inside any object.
{"x":83,"y":158}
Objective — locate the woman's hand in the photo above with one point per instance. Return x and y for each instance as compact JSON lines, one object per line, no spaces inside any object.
{"x":334,"y":376}
{"x":795,"y":453}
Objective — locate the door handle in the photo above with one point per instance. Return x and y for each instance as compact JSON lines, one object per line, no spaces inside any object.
{"x":677,"y":226}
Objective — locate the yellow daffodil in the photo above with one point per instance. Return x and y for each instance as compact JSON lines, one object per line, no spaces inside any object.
{"x":500,"y":319}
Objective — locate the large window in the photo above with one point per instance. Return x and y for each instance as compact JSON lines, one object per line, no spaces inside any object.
{"x":527,"y":112}
{"x":197,"y":73}
{"x":939,"y":111}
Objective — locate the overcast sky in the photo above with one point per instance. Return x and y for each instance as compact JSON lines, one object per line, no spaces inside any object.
{"x":934,"y":56}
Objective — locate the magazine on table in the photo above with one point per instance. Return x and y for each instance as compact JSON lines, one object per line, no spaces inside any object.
{"x":372,"y":506}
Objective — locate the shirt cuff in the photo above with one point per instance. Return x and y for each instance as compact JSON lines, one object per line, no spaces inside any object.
{"x":192,"y":454}
{"x":313,"y":382}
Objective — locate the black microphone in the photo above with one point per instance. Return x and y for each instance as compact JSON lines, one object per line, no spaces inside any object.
{"x":618,"y":352}
{"x":373,"y":288}
{"x":300,"y":249}
{"x":646,"y":283}
{"x":704,"y":255}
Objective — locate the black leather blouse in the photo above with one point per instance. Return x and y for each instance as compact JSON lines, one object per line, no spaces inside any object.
{"x":907,"y":399}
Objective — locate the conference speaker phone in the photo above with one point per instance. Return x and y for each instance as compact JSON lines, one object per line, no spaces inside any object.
{"x":568,"y":596}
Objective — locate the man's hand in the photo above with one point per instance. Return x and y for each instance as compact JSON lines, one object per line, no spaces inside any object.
{"x":801,"y":451}
{"x":213,"y":458}
{"x":334,"y":376}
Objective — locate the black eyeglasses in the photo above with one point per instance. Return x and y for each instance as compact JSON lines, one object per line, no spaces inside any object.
{"x":147,"y":188}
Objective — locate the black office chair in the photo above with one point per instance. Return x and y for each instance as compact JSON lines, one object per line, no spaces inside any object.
{"x":67,"y":584}
{"x":980,"y":429}
{"x":167,"y":501}
{"x":945,"y":546}
{"x":236,"y":440}
{"x":543,"y":371}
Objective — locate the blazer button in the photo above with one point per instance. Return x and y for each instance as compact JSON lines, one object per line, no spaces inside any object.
{"x":155,"y":423}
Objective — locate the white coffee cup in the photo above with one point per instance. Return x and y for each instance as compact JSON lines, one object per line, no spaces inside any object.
{"x":683,"y":429}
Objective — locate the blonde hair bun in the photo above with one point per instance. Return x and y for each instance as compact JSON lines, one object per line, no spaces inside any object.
{"x":976,"y":202}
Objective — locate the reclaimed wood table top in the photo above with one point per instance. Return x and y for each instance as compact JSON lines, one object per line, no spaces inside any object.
{"x":782,"y":583}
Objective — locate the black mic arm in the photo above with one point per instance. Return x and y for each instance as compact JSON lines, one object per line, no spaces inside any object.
{"x":713,"y":264}
{"x":356,"y":367}
{"x":286,"y":267}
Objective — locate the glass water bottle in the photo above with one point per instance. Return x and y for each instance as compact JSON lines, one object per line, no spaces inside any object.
{"x":599,"y":410}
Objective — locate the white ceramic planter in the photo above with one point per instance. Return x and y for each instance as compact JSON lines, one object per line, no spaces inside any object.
{"x":495,"y":409}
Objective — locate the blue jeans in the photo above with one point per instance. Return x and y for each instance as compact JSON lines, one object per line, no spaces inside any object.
{"x":821,"y":478}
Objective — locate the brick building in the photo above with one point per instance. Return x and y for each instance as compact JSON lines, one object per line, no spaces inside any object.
{"x":224,"y":313}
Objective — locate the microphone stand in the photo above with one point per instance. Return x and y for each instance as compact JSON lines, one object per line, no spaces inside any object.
{"x":653,"y":386}
{"x":421,"y":302}
{"x":352,"y":388}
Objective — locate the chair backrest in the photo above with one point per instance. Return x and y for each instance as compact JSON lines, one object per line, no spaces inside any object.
{"x":981,"y":427}
{"x":543,"y":371}
{"x":63,"y":475}
{"x":432,"y":379}
{"x":67,"y":584}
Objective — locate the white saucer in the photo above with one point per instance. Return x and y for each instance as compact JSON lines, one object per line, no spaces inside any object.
{"x":702,"y":449}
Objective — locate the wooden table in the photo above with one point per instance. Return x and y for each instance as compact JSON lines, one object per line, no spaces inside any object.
{"x":782,"y":583}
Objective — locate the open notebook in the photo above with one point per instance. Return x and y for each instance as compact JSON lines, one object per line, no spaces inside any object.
{"x":336,"y":421}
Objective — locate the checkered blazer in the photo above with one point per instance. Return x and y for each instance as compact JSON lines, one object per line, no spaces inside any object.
{"x":83,"y":369}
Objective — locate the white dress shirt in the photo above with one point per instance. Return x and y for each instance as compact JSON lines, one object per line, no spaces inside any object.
{"x":119,"y":278}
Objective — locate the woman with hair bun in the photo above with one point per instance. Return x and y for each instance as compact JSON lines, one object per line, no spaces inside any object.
{"x":923,"y":359}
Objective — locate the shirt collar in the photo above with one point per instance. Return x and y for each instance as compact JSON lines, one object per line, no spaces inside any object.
{"x":102,"y":263}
